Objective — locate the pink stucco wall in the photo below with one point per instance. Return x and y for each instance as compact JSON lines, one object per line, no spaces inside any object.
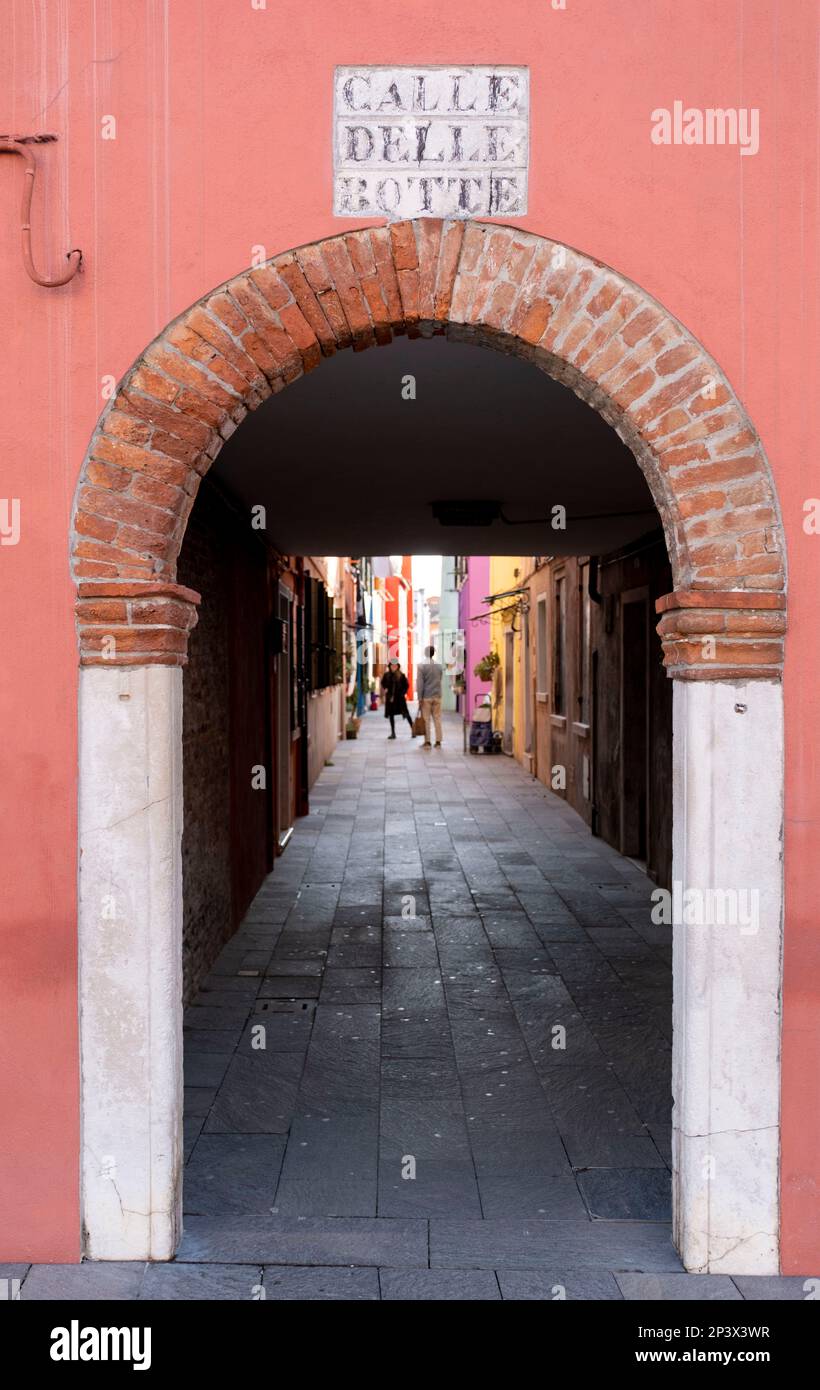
{"x":471,"y":604}
{"x":222,"y":144}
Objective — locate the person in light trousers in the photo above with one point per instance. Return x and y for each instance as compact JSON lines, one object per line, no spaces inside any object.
{"x":428,"y":687}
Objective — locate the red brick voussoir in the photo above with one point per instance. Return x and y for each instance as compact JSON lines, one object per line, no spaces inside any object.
{"x":575,"y":318}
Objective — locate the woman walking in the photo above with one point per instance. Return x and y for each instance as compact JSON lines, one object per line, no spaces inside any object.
{"x":395,"y":687}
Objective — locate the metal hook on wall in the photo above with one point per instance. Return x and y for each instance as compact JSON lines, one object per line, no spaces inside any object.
{"x":18,"y":144}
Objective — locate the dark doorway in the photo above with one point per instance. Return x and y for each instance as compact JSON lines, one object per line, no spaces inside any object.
{"x":634,"y":720}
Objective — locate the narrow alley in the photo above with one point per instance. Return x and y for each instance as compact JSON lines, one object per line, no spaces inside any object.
{"x":466,"y":1017}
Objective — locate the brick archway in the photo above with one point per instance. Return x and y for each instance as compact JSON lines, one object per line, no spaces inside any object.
{"x":645,"y":374}
{"x":577,"y":319}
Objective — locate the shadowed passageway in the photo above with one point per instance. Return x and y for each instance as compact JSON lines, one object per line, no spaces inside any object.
{"x":393,"y":1003}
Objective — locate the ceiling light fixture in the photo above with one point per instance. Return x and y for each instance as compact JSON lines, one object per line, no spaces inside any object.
{"x":475,"y":512}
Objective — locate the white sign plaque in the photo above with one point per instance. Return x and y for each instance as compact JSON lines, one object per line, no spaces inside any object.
{"x":430,"y":141}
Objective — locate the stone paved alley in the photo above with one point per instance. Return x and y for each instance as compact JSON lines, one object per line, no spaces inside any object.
{"x":432,"y":923}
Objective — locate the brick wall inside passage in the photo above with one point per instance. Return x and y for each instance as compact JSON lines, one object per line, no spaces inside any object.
{"x":251,"y":806}
{"x":207,"y":911}
{"x":226,"y":831}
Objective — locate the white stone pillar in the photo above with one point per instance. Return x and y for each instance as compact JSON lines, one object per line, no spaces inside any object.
{"x":728,"y":833}
{"x":130,"y":915}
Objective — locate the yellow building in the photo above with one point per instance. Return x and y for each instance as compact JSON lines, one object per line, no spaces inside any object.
{"x":509,"y":640}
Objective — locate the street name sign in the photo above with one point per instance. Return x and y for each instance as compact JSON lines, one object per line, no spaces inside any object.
{"x":442,"y":141}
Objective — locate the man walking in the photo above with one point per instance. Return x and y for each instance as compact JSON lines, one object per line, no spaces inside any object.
{"x":428,"y":683}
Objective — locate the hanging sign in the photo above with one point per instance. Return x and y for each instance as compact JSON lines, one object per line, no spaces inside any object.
{"x":430,"y":141}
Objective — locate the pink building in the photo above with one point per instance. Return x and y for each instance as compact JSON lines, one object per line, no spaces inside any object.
{"x":643,"y":266}
{"x":476,"y":630}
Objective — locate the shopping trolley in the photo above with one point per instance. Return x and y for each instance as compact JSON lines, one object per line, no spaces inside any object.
{"x":481,"y":725}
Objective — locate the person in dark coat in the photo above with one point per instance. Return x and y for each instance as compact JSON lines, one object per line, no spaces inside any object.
{"x":395,"y":687}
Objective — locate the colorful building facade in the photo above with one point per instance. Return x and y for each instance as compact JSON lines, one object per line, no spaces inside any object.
{"x":644,"y":270}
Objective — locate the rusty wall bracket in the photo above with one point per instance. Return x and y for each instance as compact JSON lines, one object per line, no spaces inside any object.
{"x":18,"y":144}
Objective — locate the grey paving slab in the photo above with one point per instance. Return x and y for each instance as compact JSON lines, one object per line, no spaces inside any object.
{"x":666,"y":1288}
{"x":405,"y":1036}
{"x":285,"y":1030}
{"x":258,"y":1094}
{"x":291,"y":1283}
{"x":459,"y":930}
{"x":290,"y":987}
{"x":439,"y":1285}
{"x":482,"y":1041}
{"x":230,"y":1019}
{"x":597,"y":1121}
{"x":662,"y":1139}
{"x":277,"y":1240}
{"x":191,"y":1130}
{"x":510,"y":1095}
{"x":272,"y":913}
{"x":533,"y":1243}
{"x":228,"y":1174}
{"x":299,"y":944}
{"x":405,"y":924}
{"x":93,"y":1279}
{"x":526,"y":1191}
{"x":780,"y":1287}
{"x":440,"y":1185}
{"x":198,"y":1100}
{"x":462,"y":958}
{"x":415,"y":993}
{"x":354,"y":955}
{"x":556,"y":930}
{"x":244,"y":987}
{"x":506,"y":932}
{"x":222,"y":998}
{"x":340,"y":1077}
{"x":627,"y":1194}
{"x":367,"y":915}
{"x":347,"y":1021}
{"x":357,"y":986}
{"x":330,"y":1167}
{"x":180,"y":1282}
{"x":255,"y":959}
{"x":406,"y":949}
{"x":214,"y":1046}
{"x":300,"y":966}
{"x":526,"y":1157}
{"x":228,"y":963}
{"x":558,"y":1285}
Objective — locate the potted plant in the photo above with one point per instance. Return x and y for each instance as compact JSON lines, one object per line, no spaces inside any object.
{"x":487,"y":666}
{"x":353,"y":720}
